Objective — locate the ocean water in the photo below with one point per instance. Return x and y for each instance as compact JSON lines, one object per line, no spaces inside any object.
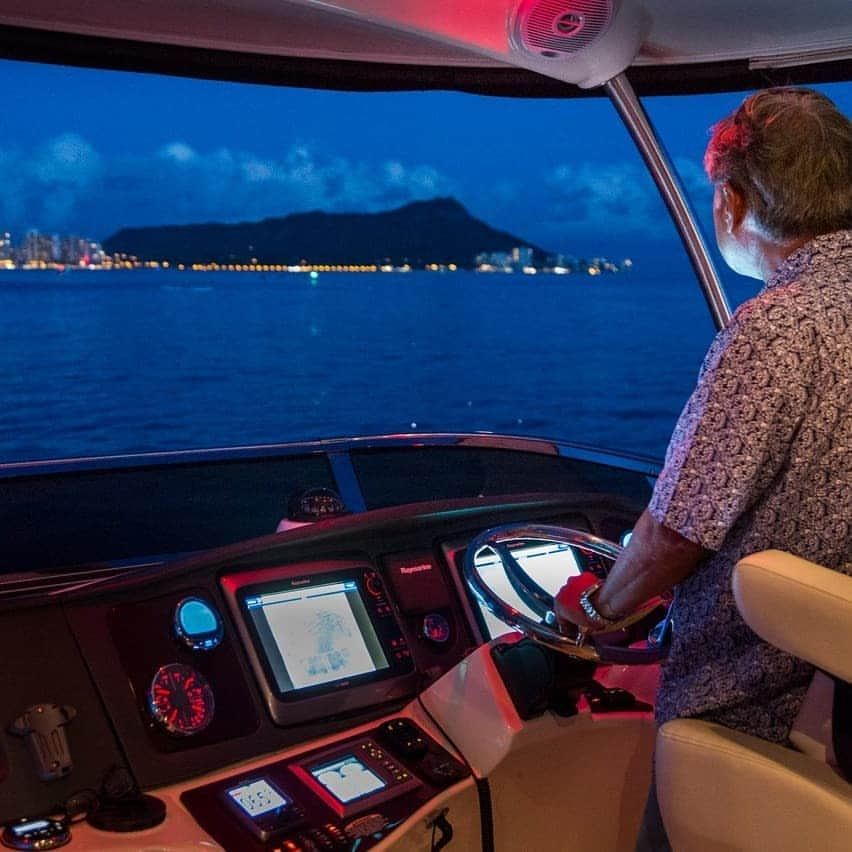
{"x":107,"y":362}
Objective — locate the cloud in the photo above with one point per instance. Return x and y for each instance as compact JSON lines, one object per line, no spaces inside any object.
{"x":587,"y":196}
{"x":67,"y":159}
{"x":180,"y":152}
{"x":67,"y":186}
{"x":42,"y":187}
{"x":618,"y":197}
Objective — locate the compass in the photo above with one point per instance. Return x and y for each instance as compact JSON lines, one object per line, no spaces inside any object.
{"x":180,"y":700}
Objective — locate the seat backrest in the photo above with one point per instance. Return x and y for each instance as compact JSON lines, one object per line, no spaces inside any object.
{"x":722,"y":790}
{"x":806,"y":610}
{"x":798,"y":606}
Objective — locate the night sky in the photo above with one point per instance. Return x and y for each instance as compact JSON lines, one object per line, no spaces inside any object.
{"x":87,"y":152}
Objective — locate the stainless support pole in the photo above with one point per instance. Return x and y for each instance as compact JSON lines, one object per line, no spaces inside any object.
{"x":636,"y":120}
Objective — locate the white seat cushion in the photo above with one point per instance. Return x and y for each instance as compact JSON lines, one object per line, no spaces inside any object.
{"x":722,"y":790}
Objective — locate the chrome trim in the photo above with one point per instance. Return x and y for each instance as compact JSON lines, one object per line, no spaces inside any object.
{"x":639,"y":125}
{"x":840,"y":52}
{"x":329,"y":446}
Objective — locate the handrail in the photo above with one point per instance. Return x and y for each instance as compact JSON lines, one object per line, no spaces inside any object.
{"x":638,"y":124}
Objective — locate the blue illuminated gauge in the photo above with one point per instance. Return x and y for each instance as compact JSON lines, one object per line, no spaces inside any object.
{"x":436,"y":628}
{"x":197,"y":624}
{"x":180,"y":700}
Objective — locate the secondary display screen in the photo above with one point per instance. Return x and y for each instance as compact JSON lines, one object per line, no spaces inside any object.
{"x":259,"y":797}
{"x":347,"y":778}
{"x":28,"y":827}
{"x":315,"y":634}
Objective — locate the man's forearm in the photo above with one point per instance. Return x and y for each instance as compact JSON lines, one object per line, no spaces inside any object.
{"x":656,"y":559}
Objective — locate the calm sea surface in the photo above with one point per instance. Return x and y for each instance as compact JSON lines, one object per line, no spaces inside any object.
{"x":96,"y":362}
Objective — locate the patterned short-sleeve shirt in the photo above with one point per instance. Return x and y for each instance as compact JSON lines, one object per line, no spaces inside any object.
{"x":761,"y":457}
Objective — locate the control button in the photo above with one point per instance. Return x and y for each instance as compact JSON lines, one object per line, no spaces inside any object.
{"x":336,"y":834}
{"x":321,"y":839}
{"x":404,"y":738}
{"x":373,"y":582}
{"x":441,"y":770}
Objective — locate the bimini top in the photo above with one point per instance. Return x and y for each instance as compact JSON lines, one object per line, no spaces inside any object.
{"x":524,"y":47}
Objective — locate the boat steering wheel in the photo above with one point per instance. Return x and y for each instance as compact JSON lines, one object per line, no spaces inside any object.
{"x":585,"y":549}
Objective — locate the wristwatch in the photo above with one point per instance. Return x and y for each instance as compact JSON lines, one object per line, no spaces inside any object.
{"x":591,"y":611}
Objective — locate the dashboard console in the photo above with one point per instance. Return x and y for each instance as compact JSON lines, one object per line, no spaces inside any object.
{"x":298,"y":652}
{"x":345,"y":796}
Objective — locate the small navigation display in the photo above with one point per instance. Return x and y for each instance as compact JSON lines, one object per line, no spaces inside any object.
{"x":347,"y":778}
{"x":316,"y":634}
{"x":258,"y":797}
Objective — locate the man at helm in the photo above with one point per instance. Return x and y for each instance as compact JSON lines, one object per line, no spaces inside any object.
{"x":761,"y":456}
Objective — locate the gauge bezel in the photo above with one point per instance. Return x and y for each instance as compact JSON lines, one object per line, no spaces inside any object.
{"x":207,"y":641}
{"x":159,"y":716}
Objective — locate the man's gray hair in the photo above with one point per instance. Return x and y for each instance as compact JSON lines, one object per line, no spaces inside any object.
{"x":789,"y":151}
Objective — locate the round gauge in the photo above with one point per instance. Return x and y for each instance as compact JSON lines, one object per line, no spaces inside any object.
{"x":197,"y":624}
{"x":436,"y":628}
{"x":181,"y":700}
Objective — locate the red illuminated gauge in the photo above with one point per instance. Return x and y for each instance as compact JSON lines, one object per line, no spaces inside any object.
{"x":436,"y":628}
{"x":181,"y":700}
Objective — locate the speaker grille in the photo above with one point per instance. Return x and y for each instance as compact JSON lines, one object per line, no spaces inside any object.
{"x":555,"y":28}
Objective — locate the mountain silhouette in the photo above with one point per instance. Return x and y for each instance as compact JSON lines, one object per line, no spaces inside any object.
{"x":437,"y":231}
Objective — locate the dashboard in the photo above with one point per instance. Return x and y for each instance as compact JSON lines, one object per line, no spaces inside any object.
{"x":300,"y":649}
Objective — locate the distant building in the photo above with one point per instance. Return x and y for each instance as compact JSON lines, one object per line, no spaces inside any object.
{"x":79,"y":251}
{"x":494,"y":261}
{"x":5,"y":247}
{"x":522,"y":257}
{"x":39,"y":248}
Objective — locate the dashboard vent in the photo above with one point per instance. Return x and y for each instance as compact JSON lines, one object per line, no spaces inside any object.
{"x":559,"y":28}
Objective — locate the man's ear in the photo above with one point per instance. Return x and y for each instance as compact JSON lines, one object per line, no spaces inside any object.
{"x":734,"y":207}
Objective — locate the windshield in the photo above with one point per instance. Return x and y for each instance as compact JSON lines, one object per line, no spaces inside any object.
{"x":504,"y":265}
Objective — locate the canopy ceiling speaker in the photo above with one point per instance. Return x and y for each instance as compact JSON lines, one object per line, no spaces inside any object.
{"x":585,"y":42}
{"x":559,"y":28}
